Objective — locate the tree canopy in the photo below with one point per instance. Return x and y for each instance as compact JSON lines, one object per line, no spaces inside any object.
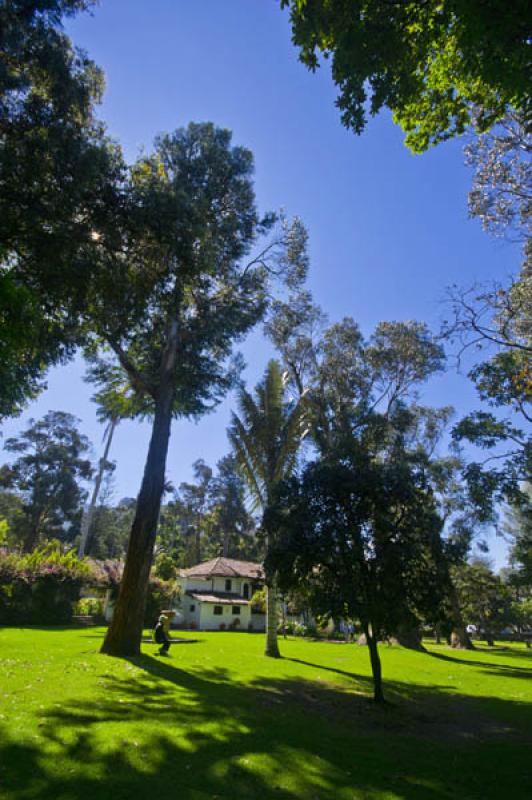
{"x":58,"y":173}
{"x":176,"y":286}
{"x":437,"y":66}
{"x":46,"y":473}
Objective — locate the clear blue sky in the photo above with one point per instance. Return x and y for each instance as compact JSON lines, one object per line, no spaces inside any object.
{"x":388,"y":230}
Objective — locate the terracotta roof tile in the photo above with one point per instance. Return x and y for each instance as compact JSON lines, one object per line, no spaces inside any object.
{"x":224,"y":568}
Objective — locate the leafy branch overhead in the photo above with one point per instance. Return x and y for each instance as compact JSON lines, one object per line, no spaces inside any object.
{"x":439,"y":67}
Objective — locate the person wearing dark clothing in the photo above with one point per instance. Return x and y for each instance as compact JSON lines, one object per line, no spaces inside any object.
{"x":161,"y":636}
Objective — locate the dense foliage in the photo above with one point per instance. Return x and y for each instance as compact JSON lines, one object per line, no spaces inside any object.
{"x":438,"y":66}
{"x":40,"y":588}
{"x":46,"y":476}
{"x":58,"y":178}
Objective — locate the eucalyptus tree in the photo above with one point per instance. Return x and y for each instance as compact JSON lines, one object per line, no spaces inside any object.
{"x":58,"y":175}
{"x":494,"y":320}
{"x":233,"y":525}
{"x":350,"y":383}
{"x":195,"y":498}
{"x":266,"y":436}
{"x":177,"y":285}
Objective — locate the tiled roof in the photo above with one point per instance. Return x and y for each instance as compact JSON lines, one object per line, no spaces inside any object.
{"x":224,"y":568}
{"x":220,"y":598}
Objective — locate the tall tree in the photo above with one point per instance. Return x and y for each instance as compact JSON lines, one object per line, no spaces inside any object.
{"x":437,"y":65}
{"x":494,"y":320}
{"x":518,"y":528}
{"x":57,"y":177}
{"x":484,"y":599}
{"x":266,"y":436}
{"x":195,"y":500}
{"x":46,"y":474}
{"x":177,"y":285}
{"x":233,"y":524}
{"x":360,"y":532}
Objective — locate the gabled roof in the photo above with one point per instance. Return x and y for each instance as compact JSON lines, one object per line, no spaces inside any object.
{"x":224,"y":568}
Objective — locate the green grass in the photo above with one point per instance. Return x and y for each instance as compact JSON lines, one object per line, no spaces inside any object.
{"x":218,"y":720}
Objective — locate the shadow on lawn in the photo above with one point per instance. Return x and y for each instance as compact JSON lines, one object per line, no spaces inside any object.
{"x":490,"y":667}
{"x":191,"y":735}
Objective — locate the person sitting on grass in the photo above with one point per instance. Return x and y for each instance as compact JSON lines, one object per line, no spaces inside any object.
{"x":161,"y":636}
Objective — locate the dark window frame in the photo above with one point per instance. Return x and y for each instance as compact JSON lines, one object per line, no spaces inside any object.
{"x":218,"y":611}
{"x":228,"y":584}
{"x":235,"y":609}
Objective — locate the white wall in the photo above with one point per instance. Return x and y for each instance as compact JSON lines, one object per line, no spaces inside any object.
{"x":211,"y":621}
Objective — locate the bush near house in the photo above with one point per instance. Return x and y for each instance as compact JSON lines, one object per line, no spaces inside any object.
{"x":40,"y":587}
{"x":43,"y":587}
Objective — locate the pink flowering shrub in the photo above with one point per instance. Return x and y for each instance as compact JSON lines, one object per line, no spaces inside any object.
{"x":39,"y":588}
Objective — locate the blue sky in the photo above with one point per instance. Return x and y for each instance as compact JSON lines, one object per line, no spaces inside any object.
{"x":388,"y":230}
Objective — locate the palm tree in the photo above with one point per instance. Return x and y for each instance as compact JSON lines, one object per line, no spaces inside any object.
{"x":266,"y":438}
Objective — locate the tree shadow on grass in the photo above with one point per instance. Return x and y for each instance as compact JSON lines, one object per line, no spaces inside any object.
{"x":163,"y":732}
{"x":490,"y":667}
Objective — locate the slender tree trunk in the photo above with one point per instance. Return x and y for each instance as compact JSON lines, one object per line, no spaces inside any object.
{"x":375,"y":660}
{"x":198,"y":542}
{"x":225,"y":546}
{"x":87,"y":518}
{"x":125,"y":632}
{"x":272,"y":648}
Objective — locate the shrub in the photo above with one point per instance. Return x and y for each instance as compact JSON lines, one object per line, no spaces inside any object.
{"x":161,"y":595}
{"x":89,"y":606}
{"x":40,"y":587}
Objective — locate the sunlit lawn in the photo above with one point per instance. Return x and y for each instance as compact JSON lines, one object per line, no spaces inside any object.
{"x":218,"y":720}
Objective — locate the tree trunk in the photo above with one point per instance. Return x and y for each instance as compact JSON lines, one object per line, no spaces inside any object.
{"x":371,"y":640}
{"x":460,"y":639}
{"x":410,"y":637}
{"x":197,"y":542}
{"x":87,"y":519}
{"x":272,"y":648}
{"x":125,"y":632}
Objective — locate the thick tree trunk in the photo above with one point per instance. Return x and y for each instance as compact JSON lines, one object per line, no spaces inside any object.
{"x":272,"y":648}
{"x":410,"y":637}
{"x":460,"y":639}
{"x":375,"y":660}
{"x":87,"y":518}
{"x":125,"y":632}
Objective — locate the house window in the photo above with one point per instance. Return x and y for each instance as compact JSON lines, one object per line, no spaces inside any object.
{"x":236,"y":609}
{"x":193,"y":607}
{"x":218,"y":610}
{"x":228,"y":585}
{"x":246,"y":591}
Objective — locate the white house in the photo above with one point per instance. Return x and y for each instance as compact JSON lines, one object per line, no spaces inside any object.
{"x":216,"y":595}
